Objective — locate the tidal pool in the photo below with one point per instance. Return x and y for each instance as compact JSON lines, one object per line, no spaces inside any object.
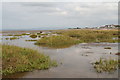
{"x":73,"y":62}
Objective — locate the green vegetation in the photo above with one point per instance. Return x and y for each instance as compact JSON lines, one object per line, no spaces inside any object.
{"x":13,"y":38}
{"x":9,"y":35}
{"x":31,"y":40}
{"x":68,"y":38}
{"x":107,"y":65}
{"x":25,"y":34}
{"x":107,"y":48}
{"x":57,"y":41}
{"x":33,"y":36}
{"x":13,"y":35}
{"x":16,"y":59}
{"x":7,"y":38}
{"x":17,"y":35}
{"x":92,"y":35}
{"x":118,"y":26}
{"x":39,"y":34}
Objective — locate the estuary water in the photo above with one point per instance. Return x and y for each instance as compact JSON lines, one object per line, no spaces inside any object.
{"x":73,"y":62}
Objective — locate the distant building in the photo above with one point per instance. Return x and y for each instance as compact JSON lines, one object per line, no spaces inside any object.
{"x":45,"y":32}
{"x":105,"y":27}
{"x":112,"y":26}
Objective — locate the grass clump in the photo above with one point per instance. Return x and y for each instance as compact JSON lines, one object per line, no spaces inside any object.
{"x":10,"y":35}
{"x":42,"y":34}
{"x":31,"y":40}
{"x":33,"y":36}
{"x":7,"y":38}
{"x":107,"y":48}
{"x":16,"y":59}
{"x":17,"y":35}
{"x":25,"y":34}
{"x":107,"y":65}
{"x":13,"y":38}
{"x":57,"y":41}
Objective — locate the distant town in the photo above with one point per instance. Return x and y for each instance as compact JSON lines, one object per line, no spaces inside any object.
{"x":104,"y":27}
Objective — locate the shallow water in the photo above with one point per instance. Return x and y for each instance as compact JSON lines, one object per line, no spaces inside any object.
{"x":74,"y":62}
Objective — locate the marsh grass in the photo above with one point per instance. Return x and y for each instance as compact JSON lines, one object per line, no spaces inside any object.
{"x":17,"y":35}
{"x":92,"y":35}
{"x":25,"y":34}
{"x":13,"y":38}
{"x":16,"y":59}
{"x":107,"y":48}
{"x":39,"y":34}
{"x":9,"y":35}
{"x":33,"y":36}
{"x":57,"y":41}
{"x":31,"y":40}
{"x":106,"y":65}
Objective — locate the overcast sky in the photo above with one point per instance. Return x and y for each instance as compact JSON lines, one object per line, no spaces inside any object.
{"x":56,"y":15}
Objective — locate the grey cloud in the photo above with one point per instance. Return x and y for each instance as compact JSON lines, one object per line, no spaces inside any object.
{"x":57,"y":15}
{"x":39,"y":4}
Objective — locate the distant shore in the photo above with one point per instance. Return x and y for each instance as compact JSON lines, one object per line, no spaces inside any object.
{"x":32,"y":31}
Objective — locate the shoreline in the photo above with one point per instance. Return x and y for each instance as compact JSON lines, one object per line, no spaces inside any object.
{"x":16,"y":31}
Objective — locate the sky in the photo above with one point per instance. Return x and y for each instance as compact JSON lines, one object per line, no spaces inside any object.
{"x":57,"y":15}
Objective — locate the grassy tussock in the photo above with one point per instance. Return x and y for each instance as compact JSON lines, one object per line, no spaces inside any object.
{"x":9,"y":35}
{"x":57,"y":41}
{"x":31,"y":40}
{"x":39,"y":34}
{"x":107,"y":65}
{"x":33,"y":36}
{"x":25,"y":34}
{"x":107,"y":47}
{"x":12,"y":38}
{"x":16,"y":59}
{"x":17,"y":35}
